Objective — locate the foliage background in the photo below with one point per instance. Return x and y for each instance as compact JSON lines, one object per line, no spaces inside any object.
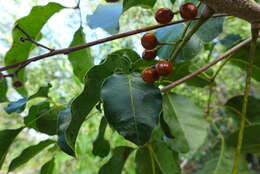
{"x":57,"y":70}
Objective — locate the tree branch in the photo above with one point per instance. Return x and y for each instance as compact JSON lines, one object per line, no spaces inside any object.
{"x":204,"y":68}
{"x":29,"y":38}
{"x":100,"y":41}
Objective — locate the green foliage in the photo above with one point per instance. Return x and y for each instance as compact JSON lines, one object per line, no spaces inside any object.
{"x":28,"y":154}
{"x":135,"y":112}
{"x":187,"y":124}
{"x":7,"y":137}
{"x":117,"y":161}
{"x":143,"y":3}
{"x":101,"y":146}
{"x":81,"y":60}
{"x":32,"y":24}
{"x":48,"y":167}
{"x":3,"y":89}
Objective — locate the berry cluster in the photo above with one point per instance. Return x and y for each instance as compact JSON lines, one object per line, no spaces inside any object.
{"x":188,"y":11}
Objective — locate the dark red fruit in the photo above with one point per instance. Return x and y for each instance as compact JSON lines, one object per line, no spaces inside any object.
{"x":164,"y":68}
{"x":164,"y":15}
{"x":112,"y":0}
{"x":149,"y":54}
{"x":17,"y":84}
{"x":150,"y":75}
{"x":188,"y":11}
{"x":149,"y":41}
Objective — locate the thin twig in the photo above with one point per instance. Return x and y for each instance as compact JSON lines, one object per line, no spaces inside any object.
{"x":30,"y":39}
{"x":100,"y":41}
{"x":204,"y":68}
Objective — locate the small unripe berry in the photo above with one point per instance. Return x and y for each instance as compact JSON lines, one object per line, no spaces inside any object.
{"x":17,"y":84}
{"x":188,"y":11}
{"x":164,"y":15}
{"x":150,"y":75}
{"x":164,"y":68}
{"x":112,"y":0}
{"x":149,"y":41}
{"x":149,"y":54}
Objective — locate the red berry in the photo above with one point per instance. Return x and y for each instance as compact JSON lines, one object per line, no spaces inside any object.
{"x":164,"y":68}
{"x":150,"y":75}
{"x":112,"y":0}
{"x":164,"y":15}
{"x":17,"y":84}
{"x":188,"y":11}
{"x":149,"y":54}
{"x":149,"y":41}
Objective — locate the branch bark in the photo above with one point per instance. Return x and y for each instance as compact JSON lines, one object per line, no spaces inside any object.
{"x":100,"y":41}
{"x":204,"y":68}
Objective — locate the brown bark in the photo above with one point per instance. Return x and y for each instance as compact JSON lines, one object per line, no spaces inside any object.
{"x":248,"y":10}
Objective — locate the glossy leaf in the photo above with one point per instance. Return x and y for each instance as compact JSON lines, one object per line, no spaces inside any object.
{"x":117,"y":161}
{"x":16,"y":106}
{"x":145,"y":164}
{"x":3,"y":89}
{"x":90,"y":96}
{"x":32,"y":24}
{"x":101,"y":146}
{"x":131,"y":106}
{"x":171,"y":34}
{"x":42,"y":92}
{"x":251,"y":141}
{"x":28,"y":154}
{"x":187,"y":124}
{"x":223,"y":164}
{"x":43,"y":118}
{"x":166,"y":158}
{"x":63,"y":124}
{"x":6,"y":139}
{"x":241,"y":59}
{"x":143,"y":3}
{"x":183,"y":69}
{"x":81,"y":60}
{"x":230,"y":40}
{"x":106,"y":17}
{"x":235,"y":104}
{"x":48,"y":167}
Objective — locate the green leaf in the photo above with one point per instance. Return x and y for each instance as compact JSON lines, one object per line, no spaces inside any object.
{"x":173,"y":1}
{"x":251,"y":141}
{"x":223,"y":164}
{"x":90,"y":96}
{"x":241,"y":59}
{"x":42,"y":92}
{"x":63,"y":124}
{"x":48,"y":167}
{"x":235,"y":104}
{"x":131,"y":106}
{"x":187,"y":124}
{"x":145,"y":164}
{"x":43,"y":118}
{"x":106,"y":17}
{"x":3,"y":89}
{"x":171,"y":34}
{"x":32,"y":24}
{"x":28,"y":154}
{"x":210,"y":29}
{"x":6,"y":139}
{"x":230,"y":40}
{"x":81,"y":60}
{"x":16,"y":106}
{"x":166,"y":159}
{"x":101,"y":146}
{"x":143,"y":3}
{"x":117,"y":161}
{"x":183,"y":69}
{"x":19,"y":105}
